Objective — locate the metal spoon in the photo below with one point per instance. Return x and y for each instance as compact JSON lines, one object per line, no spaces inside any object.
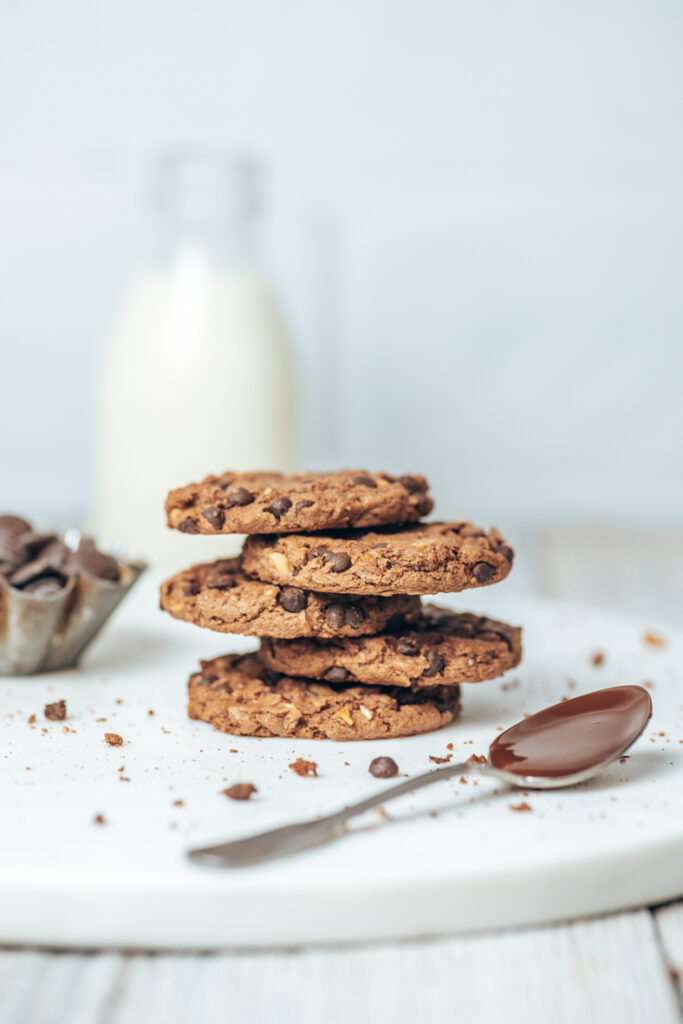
{"x":564,"y":745}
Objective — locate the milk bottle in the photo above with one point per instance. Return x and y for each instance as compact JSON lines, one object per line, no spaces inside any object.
{"x":197,"y":375}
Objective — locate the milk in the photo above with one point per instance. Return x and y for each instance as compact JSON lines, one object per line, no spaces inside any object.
{"x":196,"y":378}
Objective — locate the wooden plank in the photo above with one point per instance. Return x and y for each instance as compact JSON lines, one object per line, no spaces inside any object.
{"x":601,"y":970}
{"x":669,"y":922}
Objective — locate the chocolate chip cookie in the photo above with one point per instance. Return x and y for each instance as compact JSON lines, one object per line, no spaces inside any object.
{"x":220,"y":596}
{"x":274,"y":503}
{"x":424,"y":558}
{"x":238,"y":694}
{"x":440,"y":647}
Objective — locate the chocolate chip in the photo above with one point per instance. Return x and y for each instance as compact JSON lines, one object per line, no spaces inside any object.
{"x":292,"y":599}
{"x":279,"y":507}
{"x":408,"y":645}
{"x":335,"y":615}
{"x":240,"y":496}
{"x":354,"y":616}
{"x":207,"y":678}
{"x":220,"y":581}
{"x":303,"y":504}
{"x":411,"y":484}
{"x":188,"y":526}
{"x":435,"y":662}
{"x":383,"y":768}
{"x":424,"y":505}
{"x":337,"y":674}
{"x":483,"y":572}
{"x":506,"y":552}
{"x":388,"y":477}
{"x":364,"y":481}
{"x":338,"y":561}
{"x":488,"y":634}
{"x":55,"y":712}
{"x":191,"y":588}
{"x":465,"y":629}
{"x":472,"y":531}
{"x":214,"y":516}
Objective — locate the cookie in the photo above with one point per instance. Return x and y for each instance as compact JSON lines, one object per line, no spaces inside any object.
{"x":274,"y":503}
{"x":439,"y":648}
{"x":425,"y":558}
{"x":238,"y":694}
{"x":220,"y":596}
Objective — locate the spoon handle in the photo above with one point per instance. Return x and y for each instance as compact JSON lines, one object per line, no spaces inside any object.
{"x":289,"y":839}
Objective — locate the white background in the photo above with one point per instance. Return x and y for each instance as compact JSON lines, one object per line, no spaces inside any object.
{"x":476,"y":218}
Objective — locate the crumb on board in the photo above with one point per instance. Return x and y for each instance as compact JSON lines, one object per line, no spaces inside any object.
{"x":440,"y":760}
{"x":523,"y":806}
{"x":654,"y":639}
{"x":113,"y":739}
{"x":178,"y":803}
{"x":477,"y":759}
{"x":303,"y":767}
{"x":597,"y":659}
{"x":240,"y":791}
{"x":55,"y":712}
{"x":32,"y":720}
{"x":99,"y":819}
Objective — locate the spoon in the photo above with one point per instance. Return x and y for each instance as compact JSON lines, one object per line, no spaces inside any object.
{"x":563,"y":745}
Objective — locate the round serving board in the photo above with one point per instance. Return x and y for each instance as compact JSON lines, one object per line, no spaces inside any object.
{"x":454,"y":857}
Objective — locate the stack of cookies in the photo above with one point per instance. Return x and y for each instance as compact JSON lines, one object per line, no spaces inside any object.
{"x":330,"y":578}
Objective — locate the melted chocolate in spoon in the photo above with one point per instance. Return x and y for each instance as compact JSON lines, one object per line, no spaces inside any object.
{"x":573,"y":736}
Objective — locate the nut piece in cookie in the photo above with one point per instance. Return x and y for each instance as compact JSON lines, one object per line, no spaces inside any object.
{"x":238,"y":694}
{"x":422,"y":558}
{"x":275,"y":503}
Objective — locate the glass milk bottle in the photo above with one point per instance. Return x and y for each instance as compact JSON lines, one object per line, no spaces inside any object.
{"x":197,"y":376}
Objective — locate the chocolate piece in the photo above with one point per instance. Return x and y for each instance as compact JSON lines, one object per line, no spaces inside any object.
{"x":292,"y":599}
{"x":87,"y":559}
{"x":338,"y":561}
{"x":301,"y":505}
{"x":364,"y":481}
{"x":280,"y":507}
{"x":215,"y":516}
{"x":219,"y":580}
{"x":188,"y":526}
{"x":383,"y":768}
{"x":240,"y":497}
{"x":335,"y":616}
{"x":435,"y":663}
{"x":483,"y":572}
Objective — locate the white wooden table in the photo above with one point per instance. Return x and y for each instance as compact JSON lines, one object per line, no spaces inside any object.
{"x":622,"y":968}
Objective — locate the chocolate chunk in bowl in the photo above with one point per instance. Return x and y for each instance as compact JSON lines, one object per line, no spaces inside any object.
{"x":55,"y":596}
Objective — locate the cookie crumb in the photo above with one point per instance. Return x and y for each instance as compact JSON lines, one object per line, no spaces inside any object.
{"x":597,"y":659}
{"x":240,"y":791}
{"x":99,"y":819}
{"x":524,"y":806}
{"x":234,"y":750}
{"x":303,"y":767}
{"x":55,"y":712}
{"x":440,"y":760}
{"x":449,"y":746}
{"x":654,"y":640}
{"x":113,"y":739}
{"x":32,"y":720}
{"x":477,"y":759}
{"x":150,"y":712}
{"x":178,"y":803}
{"x":123,"y":778}
{"x":383,"y":768}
